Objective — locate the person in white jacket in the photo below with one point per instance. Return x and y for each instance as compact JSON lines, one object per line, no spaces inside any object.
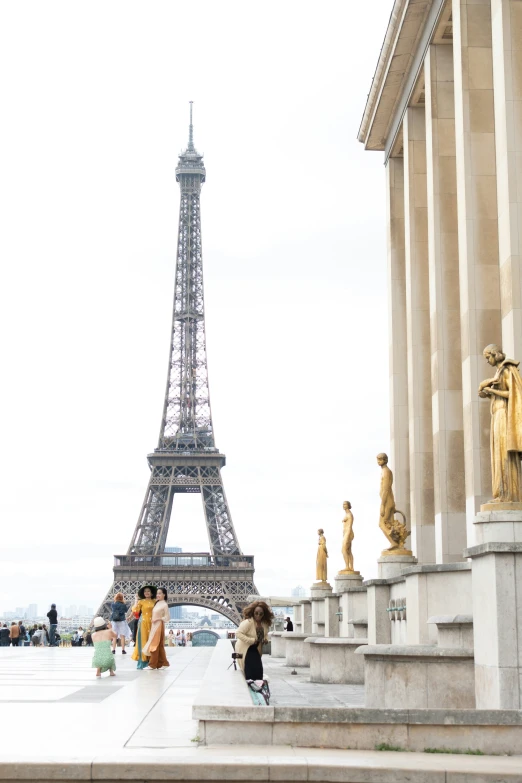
{"x":251,"y":635}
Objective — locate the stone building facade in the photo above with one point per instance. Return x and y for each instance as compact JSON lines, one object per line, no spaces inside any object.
{"x":445,"y":107}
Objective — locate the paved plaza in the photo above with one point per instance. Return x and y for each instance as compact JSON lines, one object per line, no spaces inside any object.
{"x":56,"y":688}
{"x":60,"y":722}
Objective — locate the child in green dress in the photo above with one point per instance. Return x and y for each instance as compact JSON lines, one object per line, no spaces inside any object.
{"x":103,"y":659}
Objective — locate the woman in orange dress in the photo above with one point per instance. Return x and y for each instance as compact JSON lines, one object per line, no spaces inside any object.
{"x":155,"y":647}
{"x":143,"y":606}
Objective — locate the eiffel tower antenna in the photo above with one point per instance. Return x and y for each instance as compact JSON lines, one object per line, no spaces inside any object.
{"x":186,"y":458}
{"x":191,"y":131}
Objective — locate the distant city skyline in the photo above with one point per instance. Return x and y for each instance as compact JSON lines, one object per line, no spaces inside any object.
{"x":38,"y":610}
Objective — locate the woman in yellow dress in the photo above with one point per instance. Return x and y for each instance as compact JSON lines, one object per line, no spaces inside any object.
{"x":144,"y":605}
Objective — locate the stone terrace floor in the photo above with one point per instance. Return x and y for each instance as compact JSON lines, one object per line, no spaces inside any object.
{"x":296,"y":690}
{"x":55,"y":712}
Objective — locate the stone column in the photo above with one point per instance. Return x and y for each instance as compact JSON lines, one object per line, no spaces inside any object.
{"x":398,"y":361}
{"x":352,"y":601}
{"x":478,"y":234}
{"x":298,"y":618}
{"x":507,"y":93}
{"x":443,"y":253}
{"x":306,"y":608}
{"x":331,"y":615}
{"x":318,"y":616}
{"x":418,"y":337}
{"x":379,"y":631}
{"x":497,"y":611}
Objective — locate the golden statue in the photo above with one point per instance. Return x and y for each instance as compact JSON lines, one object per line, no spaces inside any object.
{"x":348,"y":535}
{"x":322,"y":556}
{"x":395,"y":531}
{"x":505,"y":391}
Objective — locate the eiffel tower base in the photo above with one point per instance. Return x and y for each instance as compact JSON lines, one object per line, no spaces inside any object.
{"x":220,"y":583}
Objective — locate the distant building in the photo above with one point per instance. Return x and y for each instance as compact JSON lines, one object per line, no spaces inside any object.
{"x":20,"y":611}
{"x":299,"y":592}
{"x":176,"y":613}
{"x":69,"y":624}
{"x":31,"y":612}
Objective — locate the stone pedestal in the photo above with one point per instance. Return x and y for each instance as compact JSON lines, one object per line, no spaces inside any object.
{"x":334,"y":660}
{"x":278,"y":644}
{"x":332,"y":616}
{"x":417,"y":677}
{"x":297,"y":653}
{"x":394,"y":565}
{"x":306,"y":616}
{"x":454,"y":630}
{"x":320,"y":589}
{"x":352,"y":600}
{"x":497,"y":608}
{"x":318,"y":592}
{"x":344,"y":581}
{"x":379,"y":631}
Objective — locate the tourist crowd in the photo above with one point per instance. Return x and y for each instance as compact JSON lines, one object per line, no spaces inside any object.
{"x":17,"y":635}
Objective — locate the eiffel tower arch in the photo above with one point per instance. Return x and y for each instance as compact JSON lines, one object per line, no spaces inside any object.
{"x":186,"y":458}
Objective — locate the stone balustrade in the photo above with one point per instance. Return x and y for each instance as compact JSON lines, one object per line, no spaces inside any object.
{"x":418,"y":676}
{"x":334,"y":661}
{"x":297,"y":653}
{"x":454,"y":630}
{"x":278,"y":644}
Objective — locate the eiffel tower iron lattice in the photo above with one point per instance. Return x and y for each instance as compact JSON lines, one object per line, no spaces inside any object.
{"x":186,"y":459}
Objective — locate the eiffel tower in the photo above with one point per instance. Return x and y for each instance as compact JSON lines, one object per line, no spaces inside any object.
{"x":186,"y":459}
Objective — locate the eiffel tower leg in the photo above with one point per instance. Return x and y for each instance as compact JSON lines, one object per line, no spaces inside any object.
{"x":220,"y":528}
{"x":129,"y":588}
{"x":150,"y":534}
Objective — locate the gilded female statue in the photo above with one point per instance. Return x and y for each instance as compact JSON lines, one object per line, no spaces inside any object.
{"x":348,"y":534}
{"x":505,"y":391}
{"x":322,"y":555}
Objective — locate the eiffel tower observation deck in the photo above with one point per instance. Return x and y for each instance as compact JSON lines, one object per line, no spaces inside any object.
{"x":186,"y":458}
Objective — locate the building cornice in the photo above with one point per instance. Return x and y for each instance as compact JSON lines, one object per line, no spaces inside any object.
{"x":397,"y":53}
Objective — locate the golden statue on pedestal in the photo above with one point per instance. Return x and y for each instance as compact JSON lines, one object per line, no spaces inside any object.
{"x":348,"y":536}
{"x":505,"y":392}
{"x":395,"y":531}
{"x":321,"y":567}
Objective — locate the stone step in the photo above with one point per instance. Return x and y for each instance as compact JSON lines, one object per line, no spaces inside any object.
{"x":282,"y":764}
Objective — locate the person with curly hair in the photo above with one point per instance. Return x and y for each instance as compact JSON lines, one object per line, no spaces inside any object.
{"x":251,"y":635}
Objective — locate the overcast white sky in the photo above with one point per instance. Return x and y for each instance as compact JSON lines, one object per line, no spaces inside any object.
{"x":94,"y":99}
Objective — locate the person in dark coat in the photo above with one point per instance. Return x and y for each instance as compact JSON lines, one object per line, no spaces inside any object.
{"x":4,"y":636}
{"x":52,"y":614}
{"x":289,"y":625}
